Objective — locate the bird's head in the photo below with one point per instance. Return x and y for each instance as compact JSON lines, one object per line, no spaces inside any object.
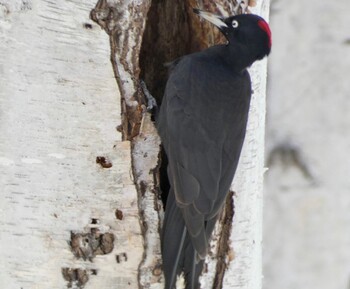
{"x":248,"y":30}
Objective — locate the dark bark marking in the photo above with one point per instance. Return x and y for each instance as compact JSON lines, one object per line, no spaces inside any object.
{"x":223,"y":243}
{"x":104,"y":162}
{"x":88,"y":245}
{"x":77,"y":277}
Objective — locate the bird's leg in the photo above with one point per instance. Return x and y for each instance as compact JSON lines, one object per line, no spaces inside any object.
{"x":151,"y":101}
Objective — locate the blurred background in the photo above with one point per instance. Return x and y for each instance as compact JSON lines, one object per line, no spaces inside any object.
{"x":307,"y":186}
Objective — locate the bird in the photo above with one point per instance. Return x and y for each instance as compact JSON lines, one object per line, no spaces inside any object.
{"x":202,"y":125}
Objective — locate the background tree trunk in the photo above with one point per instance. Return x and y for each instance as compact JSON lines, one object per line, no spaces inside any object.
{"x":307,"y":204}
{"x":82,"y":204}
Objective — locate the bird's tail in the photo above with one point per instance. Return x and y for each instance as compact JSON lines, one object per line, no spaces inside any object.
{"x":177,"y":250}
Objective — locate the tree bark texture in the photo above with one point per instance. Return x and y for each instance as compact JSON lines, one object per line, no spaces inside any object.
{"x":82,"y":202}
{"x":69,"y":214}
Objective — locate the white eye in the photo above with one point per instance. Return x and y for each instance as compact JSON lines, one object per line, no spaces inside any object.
{"x":234,"y":23}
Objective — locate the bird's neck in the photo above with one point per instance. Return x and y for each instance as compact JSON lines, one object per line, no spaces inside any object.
{"x":238,"y":56}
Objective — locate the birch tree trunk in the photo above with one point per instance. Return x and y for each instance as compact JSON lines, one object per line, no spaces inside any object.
{"x":79,"y":155}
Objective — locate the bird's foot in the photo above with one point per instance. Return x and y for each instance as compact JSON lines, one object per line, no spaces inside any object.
{"x":151,"y":101}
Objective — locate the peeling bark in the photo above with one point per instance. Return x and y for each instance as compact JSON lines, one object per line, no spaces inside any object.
{"x":124,"y":22}
{"x":223,"y":247}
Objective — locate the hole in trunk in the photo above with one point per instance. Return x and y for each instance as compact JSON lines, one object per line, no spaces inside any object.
{"x":172,"y":30}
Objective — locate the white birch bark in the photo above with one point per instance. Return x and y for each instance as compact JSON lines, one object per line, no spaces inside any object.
{"x":60,"y":107}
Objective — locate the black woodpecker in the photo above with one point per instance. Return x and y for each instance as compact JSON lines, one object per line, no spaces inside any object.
{"x":202,"y":124}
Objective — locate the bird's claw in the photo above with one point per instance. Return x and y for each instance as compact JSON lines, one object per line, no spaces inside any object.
{"x":151,"y":101}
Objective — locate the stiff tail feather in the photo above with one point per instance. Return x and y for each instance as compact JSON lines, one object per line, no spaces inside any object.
{"x":177,"y":250}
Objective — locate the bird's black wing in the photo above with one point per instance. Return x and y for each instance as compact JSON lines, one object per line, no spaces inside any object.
{"x":195,"y":124}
